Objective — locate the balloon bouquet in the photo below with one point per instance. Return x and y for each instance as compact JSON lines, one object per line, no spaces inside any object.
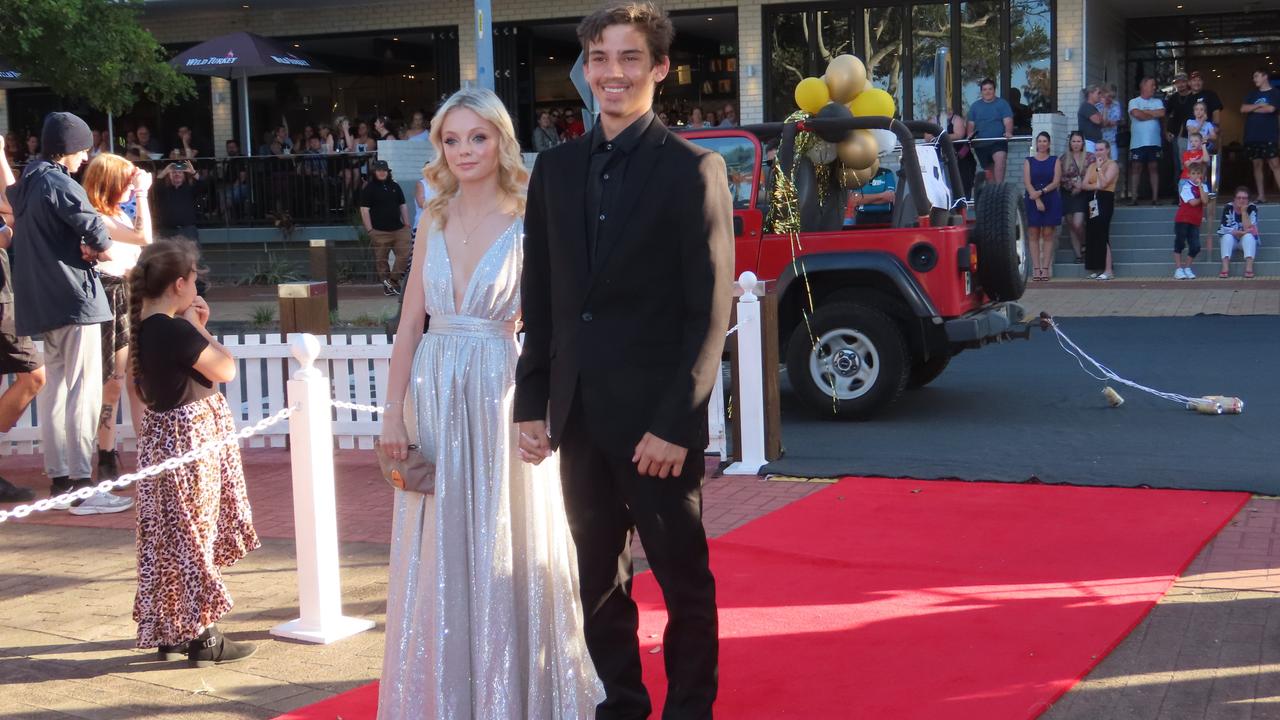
{"x":844,"y":91}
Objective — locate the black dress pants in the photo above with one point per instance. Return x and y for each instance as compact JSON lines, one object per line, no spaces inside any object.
{"x":1098,"y":232}
{"x":606,"y":500}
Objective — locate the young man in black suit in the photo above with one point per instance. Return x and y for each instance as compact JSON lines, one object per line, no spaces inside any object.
{"x":627,"y":286}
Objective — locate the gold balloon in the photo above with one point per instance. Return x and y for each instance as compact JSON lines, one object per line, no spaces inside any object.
{"x":846,"y":77}
{"x":857,"y":178}
{"x":859,"y":150}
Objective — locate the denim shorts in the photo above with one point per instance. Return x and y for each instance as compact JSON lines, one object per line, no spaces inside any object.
{"x":1186,"y":237}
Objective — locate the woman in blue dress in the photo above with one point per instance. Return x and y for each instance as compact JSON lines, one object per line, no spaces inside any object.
{"x":1041,"y":177}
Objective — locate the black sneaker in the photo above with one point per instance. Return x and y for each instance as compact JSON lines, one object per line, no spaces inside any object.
{"x":10,"y":493}
{"x":108,"y":465}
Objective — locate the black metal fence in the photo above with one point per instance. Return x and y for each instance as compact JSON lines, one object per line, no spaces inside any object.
{"x":273,"y":191}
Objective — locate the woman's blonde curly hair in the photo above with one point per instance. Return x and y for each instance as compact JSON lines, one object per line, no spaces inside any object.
{"x":513,"y":178}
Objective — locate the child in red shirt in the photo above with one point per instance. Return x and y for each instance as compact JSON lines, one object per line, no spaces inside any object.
{"x":1186,"y":223}
{"x":1195,"y":154}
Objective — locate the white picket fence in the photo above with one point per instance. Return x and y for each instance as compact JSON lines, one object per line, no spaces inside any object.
{"x":356,"y":367}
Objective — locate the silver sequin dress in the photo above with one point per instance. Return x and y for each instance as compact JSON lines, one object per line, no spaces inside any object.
{"x":484,"y":620}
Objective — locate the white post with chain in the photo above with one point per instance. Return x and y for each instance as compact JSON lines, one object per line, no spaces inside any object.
{"x":314,"y":512}
{"x":750,"y":381}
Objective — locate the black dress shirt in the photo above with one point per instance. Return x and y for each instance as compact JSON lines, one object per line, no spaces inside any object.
{"x":609,"y":160}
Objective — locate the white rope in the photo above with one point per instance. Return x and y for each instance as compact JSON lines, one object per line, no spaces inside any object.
{"x":128,"y":479}
{"x":1107,"y":373}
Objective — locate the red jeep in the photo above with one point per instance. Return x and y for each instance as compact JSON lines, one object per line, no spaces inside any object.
{"x":867,"y":311}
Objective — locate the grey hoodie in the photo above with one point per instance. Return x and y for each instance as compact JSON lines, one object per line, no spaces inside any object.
{"x":53,"y":286}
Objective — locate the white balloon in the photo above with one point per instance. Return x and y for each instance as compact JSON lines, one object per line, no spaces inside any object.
{"x":886,"y":140}
{"x":822,"y":153}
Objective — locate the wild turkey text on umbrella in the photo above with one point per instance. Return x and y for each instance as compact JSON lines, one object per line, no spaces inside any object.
{"x":243,"y":55}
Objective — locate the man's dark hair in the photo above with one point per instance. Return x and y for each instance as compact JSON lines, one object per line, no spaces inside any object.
{"x":1262,"y":71}
{"x":1242,"y":189}
{"x":985,"y":82}
{"x":647,"y":18}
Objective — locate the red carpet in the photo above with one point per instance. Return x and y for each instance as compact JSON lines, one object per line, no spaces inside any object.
{"x":901,"y":599}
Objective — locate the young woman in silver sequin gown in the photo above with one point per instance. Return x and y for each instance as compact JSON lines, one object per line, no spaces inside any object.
{"x":483,"y":615}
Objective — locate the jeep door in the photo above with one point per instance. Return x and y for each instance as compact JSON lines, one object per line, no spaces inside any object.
{"x":742,"y":159}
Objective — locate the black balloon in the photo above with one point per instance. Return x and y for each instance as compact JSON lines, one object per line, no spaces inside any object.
{"x":834,"y":111}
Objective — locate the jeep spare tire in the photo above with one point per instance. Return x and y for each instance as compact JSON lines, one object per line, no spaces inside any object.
{"x":852,"y":366}
{"x":1001,"y":236}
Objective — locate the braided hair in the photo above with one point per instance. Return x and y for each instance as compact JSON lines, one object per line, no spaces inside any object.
{"x":159,"y":266}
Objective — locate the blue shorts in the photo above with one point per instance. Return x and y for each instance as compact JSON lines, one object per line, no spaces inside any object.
{"x":1148,"y":154}
{"x":1186,"y":237}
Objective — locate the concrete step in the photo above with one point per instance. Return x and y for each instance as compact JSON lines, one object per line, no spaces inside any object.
{"x":1203,"y":268}
{"x":1123,"y":254}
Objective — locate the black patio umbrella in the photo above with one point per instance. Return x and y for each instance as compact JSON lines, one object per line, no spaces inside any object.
{"x":243,"y":55}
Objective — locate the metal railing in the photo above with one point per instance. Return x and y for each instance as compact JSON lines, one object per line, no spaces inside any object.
{"x":273,"y":191}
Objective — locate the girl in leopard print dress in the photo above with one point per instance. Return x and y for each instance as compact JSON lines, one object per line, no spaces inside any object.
{"x":195,"y":520}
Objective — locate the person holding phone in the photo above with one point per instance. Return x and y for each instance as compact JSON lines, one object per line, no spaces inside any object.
{"x":177,"y":188}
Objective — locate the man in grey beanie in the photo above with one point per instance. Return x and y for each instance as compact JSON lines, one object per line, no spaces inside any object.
{"x":57,"y":294}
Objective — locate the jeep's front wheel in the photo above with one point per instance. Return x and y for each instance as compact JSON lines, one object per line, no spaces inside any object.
{"x":854,"y":364}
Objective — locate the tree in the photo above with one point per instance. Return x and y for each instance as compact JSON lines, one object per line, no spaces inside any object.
{"x":90,"y":49}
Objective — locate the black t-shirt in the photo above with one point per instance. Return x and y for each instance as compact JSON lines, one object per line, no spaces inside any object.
{"x":1181,"y":109}
{"x":383,"y":200}
{"x":167,"y":351}
{"x":176,"y":206}
{"x":1210,"y":100}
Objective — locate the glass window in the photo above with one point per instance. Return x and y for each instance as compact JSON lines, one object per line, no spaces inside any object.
{"x":980,"y":48}
{"x":801,"y":43}
{"x":882,"y":51}
{"x":740,"y":160}
{"x":1030,"y":30}
{"x":931,"y":52}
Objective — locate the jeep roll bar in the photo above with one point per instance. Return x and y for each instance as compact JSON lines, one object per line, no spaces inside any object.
{"x":837,"y":126}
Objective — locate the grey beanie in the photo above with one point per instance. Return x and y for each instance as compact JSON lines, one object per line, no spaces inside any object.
{"x":64,"y":134}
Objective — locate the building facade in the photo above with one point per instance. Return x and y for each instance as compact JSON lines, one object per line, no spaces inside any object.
{"x":392,"y":57}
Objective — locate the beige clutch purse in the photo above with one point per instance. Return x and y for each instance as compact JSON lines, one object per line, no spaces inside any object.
{"x":414,"y":474}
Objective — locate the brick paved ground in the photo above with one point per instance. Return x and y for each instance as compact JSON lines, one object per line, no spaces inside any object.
{"x":1211,"y":648}
{"x":66,"y":593}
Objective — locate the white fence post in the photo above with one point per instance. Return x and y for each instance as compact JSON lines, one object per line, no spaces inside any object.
{"x":750,"y":381}
{"x":314,"y":512}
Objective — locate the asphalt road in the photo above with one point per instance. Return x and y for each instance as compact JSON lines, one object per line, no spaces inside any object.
{"x":1025,"y":411}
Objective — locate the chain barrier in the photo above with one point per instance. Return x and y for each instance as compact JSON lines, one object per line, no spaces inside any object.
{"x":356,"y":406}
{"x":125,"y":480}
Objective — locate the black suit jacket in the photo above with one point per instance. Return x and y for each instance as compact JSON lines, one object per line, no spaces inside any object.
{"x":640,"y":334}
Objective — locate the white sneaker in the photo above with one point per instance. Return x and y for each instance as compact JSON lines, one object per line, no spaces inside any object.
{"x":1179,"y":274}
{"x":64,"y":505}
{"x":1093,"y":276}
{"x":1104,"y":276}
{"x":103,"y":504}
{"x":1187,"y":274}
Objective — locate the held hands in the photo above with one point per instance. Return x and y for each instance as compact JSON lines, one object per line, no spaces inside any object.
{"x":658,"y":458}
{"x":535,"y":444}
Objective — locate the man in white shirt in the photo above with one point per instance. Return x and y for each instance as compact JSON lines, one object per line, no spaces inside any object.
{"x":1146,"y":114}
